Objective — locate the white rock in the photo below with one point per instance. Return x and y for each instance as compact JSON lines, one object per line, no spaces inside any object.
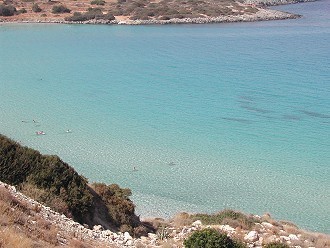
{"x":293,"y":237}
{"x":127,"y":236}
{"x":267,"y":225}
{"x":227,"y":228}
{"x":107,"y":233}
{"x":97,"y":228}
{"x":152,"y":236}
{"x":129,"y":243}
{"x":197,"y":223}
{"x":252,"y":236}
{"x":284,"y":238}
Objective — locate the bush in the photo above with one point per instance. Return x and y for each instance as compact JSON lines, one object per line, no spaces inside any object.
{"x":59,"y":9}
{"x":98,"y":2}
{"x":36,"y":8}
{"x":226,"y":216}
{"x":56,"y":179}
{"x":276,"y":245}
{"x":209,"y":238}
{"x":7,"y":10}
{"x":120,"y":207}
{"x":77,"y":17}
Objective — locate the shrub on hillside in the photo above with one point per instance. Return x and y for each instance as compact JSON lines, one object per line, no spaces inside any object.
{"x":98,"y":2}
{"x":234,"y":218}
{"x":23,"y":165}
{"x":59,"y":186}
{"x":36,"y":8}
{"x":276,"y":245}
{"x":59,"y":9}
{"x":210,"y":238}
{"x":121,"y":208}
{"x":7,"y":10}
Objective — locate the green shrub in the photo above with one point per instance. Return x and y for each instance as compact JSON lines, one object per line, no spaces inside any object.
{"x":7,"y":10}
{"x":226,"y":216}
{"x":77,"y":17}
{"x":59,"y":9}
{"x":276,"y":245}
{"x":209,"y":238}
{"x":98,"y":2}
{"x":120,"y":207}
{"x":36,"y":8}
{"x":50,"y":174}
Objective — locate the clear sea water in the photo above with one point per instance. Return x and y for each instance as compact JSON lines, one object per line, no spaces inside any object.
{"x":211,"y":116}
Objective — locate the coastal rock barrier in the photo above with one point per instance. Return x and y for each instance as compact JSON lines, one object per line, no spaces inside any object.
{"x":262,"y":233}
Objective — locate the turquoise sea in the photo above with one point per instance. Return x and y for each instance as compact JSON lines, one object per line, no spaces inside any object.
{"x":211,"y":116}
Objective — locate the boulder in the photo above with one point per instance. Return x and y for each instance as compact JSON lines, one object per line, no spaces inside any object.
{"x":251,"y":236}
{"x":97,"y":228}
{"x":293,"y":237}
{"x":127,"y":236}
{"x":267,"y":225}
{"x":197,"y":223}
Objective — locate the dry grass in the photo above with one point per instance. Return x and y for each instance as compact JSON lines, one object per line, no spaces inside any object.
{"x":181,"y":219}
{"x":12,"y":238}
{"x":22,"y":226}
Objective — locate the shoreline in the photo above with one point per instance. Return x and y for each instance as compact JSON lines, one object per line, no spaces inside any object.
{"x":264,"y":14}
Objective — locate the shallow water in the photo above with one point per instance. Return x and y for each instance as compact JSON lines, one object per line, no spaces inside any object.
{"x":211,"y":116}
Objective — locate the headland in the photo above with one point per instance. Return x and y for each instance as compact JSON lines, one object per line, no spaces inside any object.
{"x":142,"y":12}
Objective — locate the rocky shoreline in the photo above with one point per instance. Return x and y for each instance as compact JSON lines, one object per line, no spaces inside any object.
{"x":171,"y":235}
{"x":262,"y":15}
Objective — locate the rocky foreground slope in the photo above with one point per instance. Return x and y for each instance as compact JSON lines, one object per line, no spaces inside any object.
{"x":32,"y":224}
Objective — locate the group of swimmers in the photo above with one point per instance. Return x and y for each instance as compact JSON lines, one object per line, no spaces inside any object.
{"x":42,"y":132}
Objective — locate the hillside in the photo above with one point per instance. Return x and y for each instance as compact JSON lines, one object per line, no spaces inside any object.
{"x":27,"y":223}
{"x":53,"y":182}
{"x":139,"y":11}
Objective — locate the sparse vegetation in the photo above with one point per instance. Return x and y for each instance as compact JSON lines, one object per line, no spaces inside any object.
{"x":231,"y":217}
{"x":59,"y":9}
{"x":276,"y":245}
{"x":36,"y":8}
{"x":7,"y":10}
{"x":98,"y":2}
{"x":210,"y":238}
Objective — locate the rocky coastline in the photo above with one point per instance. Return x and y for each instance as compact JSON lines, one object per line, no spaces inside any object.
{"x":171,"y":235}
